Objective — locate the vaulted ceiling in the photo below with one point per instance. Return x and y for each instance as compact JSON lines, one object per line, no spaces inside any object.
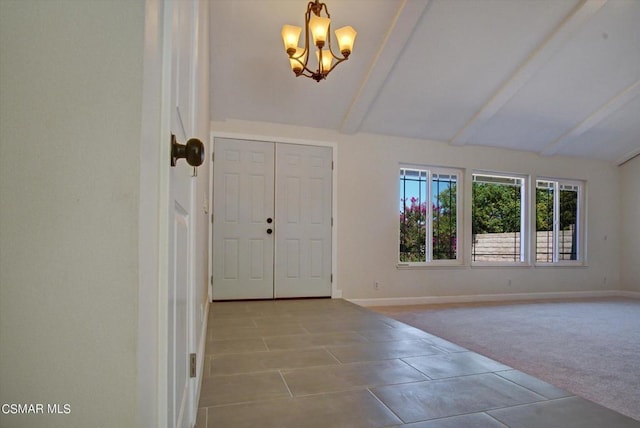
{"x":546,"y":76}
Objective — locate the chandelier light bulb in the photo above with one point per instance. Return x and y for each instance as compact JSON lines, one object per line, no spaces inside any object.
{"x":297,"y":60}
{"x":290,"y":36}
{"x":346,"y":37}
{"x":319,"y":27}
{"x":325,"y":63}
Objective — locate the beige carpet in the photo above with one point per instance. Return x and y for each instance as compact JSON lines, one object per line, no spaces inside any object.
{"x":588,"y":347}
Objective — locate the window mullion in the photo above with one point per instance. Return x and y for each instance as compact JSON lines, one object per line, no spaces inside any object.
{"x":429,"y":220}
{"x":523,"y":214}
{"x":556,"y":222}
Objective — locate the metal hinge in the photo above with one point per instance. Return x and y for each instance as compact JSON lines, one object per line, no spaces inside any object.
{"x":331,"y":278}
{"x":331,"y":165}
{"x":211,"y":217}
{"x":211,"y":279}
{"x":213,"y":156}
{"x":331,"y":221}
{"x":192,"y":365}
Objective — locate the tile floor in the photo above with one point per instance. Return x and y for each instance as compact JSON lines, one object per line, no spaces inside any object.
{"x":329,"y":363}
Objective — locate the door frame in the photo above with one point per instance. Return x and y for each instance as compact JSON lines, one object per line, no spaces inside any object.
{"x":153,"y":223}
{"x":336,"y":291}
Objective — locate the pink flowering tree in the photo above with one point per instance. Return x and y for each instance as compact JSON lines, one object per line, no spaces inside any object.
{"x":413,"y":220}
{"x":413,"y":228}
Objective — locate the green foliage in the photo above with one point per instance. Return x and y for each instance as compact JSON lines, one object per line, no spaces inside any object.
{"x":413,"y":230}
{"x":496,"y":208}
{"x":544,"y":210}
{"x":568,"y":209}
{"x":444,"y":225}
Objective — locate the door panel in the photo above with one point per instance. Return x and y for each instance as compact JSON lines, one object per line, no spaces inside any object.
{"x":180,"y":294}
{"x":291,"y":184}
{"x":177,"y":317}
{"x":243,"y":201}
{"x":303,"y":221}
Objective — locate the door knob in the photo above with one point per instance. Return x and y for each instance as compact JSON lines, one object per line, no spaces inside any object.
{"x":269,"y":220}
{"x":193,"y":151}
{"x":269,"y":231}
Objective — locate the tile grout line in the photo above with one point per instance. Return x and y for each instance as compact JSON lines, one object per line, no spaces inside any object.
{"x":385,"y":406}
{"x":497,"y":373}
{"x":414,"y":368}
{"x":498,"y":421}
{"x":285,"y":383}
{"x":332,"y":355}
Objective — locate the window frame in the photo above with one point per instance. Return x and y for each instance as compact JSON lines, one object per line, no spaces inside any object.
{"x":580,"y":222}
{"x":524,"y":219}
{"x":459,"y":201}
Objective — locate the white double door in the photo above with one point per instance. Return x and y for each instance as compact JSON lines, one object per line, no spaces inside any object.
{"x":272,"y":220}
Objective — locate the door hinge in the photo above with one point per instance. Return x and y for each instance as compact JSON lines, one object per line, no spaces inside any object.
{"x":331,"y":221}
{"x":211,"y":217}
{"x":211,"y":279}
{"x":331,"y":280}
{"x":331,"y":165}
{"x":213,"y":156}
{"x":192,"y":365}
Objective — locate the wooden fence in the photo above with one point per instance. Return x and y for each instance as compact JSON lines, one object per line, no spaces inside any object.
{"x":505,"y":247}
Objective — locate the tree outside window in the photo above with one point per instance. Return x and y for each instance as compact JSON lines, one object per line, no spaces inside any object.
{"x":428,"y":208}
{"x":557,"y":220}
{"x":497,"y":220}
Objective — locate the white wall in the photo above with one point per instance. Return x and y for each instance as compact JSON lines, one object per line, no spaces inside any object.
{"x":369,"y":243}
{"x":630,"y":190}
{"x":368,"y":219}
{"x":71,"y":88}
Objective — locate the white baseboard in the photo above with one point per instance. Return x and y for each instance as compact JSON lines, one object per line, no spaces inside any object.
{"x":401,"y":301}
{"x":631,"y":294}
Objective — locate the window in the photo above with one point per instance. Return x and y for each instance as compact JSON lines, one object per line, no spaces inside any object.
{"x":428,"y":214}
{"x":557,"y":221}
{"x":498,"y":218}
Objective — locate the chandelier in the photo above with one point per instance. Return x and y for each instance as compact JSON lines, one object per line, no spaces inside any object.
{"x":319,"y":26}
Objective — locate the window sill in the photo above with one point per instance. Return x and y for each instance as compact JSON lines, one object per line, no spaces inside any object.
{"x":431,"y":265}
{"x":561,"y":265}
{"x":500,"y":265}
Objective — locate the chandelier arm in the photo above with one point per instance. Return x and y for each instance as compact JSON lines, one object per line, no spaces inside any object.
{"x":307,"y":17}
{"x":339,"y":58}
{"x":326,"y":9}
{"x":313,"y":75}
{"x":304,"y":67}
{"x":317,"y":7}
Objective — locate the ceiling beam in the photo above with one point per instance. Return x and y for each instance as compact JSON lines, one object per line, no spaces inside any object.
{"x":567,"y":28}
{"x":628,"y":157}
{"x":610,"y":107}
{"x":406,"y":20}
